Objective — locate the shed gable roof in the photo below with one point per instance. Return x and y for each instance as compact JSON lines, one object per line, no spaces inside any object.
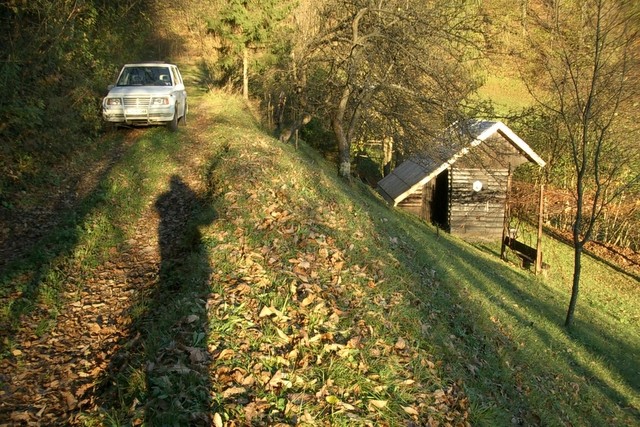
{"x":457,"y":141}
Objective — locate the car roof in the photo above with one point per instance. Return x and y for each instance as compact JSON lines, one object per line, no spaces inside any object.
{"x":149,"y":64}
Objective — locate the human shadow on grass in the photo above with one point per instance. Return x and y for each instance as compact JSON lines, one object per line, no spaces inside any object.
{"x":178,"y":385}
{"x":160,"y":374}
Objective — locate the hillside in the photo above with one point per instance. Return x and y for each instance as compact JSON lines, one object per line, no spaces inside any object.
{"x":218,"y":276}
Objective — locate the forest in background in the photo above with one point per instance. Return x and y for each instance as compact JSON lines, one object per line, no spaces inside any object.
{"x":366,"y":83}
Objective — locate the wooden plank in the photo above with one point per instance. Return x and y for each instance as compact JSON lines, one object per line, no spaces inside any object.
{"x":393,"y":186}
{"x":527,"y":251}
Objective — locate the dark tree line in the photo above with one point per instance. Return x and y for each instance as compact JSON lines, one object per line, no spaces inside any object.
{"x":56,"y":58}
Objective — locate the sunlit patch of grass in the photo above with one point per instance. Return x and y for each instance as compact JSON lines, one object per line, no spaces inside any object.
{"x":507,"y":93}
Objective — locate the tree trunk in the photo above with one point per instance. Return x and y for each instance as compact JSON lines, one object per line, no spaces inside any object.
{"x":344,"y":149}
{"x":344,"y":144}
{"x":387,"y":149}
{"x":578,"y":245}
{"x":577,"y":257}
{"x":245,"y":73}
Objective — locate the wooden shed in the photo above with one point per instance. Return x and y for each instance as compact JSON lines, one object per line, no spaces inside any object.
{"x":462,"y":184}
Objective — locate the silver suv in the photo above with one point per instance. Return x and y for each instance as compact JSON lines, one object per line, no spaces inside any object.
{"x":149,"y":93}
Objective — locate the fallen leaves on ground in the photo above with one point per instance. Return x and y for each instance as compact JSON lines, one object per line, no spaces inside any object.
{"x":308,"y":331}
{"x":301,"y":328}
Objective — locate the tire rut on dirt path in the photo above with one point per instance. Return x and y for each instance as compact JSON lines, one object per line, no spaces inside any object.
{"x":59,"y":371}
{"x":56,"y":376}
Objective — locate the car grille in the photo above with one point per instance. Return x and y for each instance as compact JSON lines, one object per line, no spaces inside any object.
{"x":137,"y":102}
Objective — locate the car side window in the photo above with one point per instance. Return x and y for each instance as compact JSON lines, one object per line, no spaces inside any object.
{"x":176,"y":75}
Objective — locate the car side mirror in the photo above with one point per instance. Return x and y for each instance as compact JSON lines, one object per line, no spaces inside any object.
{"x":110,"y":87}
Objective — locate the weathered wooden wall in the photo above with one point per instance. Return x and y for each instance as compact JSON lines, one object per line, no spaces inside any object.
{"x":419,"y":202}
{"x":477,"y":214}
{"x":413,"y":203}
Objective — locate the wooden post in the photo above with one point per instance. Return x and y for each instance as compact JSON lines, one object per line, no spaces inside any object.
{"x":540,"y":221}
{"x":269,"y":111}
{"x":423,"y":203}
{"x":507,"y":216}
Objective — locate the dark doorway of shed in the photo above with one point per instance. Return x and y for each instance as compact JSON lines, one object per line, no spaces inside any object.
{"x":440,"y":201}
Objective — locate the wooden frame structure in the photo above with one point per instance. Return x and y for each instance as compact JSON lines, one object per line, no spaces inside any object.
{"x":462,"y":183}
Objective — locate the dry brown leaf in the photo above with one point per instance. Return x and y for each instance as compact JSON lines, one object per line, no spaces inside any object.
{"x":283,"y":336}
{"x":197,"y":355}
{"x":250,"y":411}
{"x":249,"y":380}
{"x":332,"y":347}
{"x":232,"y":391}
{"x":315,"y":338}
{"x":227,"y":353}
{"x":308,"y":300}
{"x":279,"y":379}
{"x":265,"y":312}
{"x":69,"y":399}
{"x":376,"y":404}
{"x":304,"y":264}
{"x":439,"y":395}
{"x":83,"y":389}
{"x":410,"y":410}
{"x":217,"y":420}
{"x":20,"y":416}
{"x":347,"y":406}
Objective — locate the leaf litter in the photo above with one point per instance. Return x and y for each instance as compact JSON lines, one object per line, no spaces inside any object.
{"x":298,"y":331}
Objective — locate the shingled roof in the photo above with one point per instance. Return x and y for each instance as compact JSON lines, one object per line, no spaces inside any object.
{"x":455,"y":143}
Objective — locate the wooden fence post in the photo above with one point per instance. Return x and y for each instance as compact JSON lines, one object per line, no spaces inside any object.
{"x":540,"y":221}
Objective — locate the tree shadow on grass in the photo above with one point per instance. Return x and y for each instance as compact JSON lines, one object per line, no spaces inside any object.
{"x":39,"y":237}
{"x":527,"y":307}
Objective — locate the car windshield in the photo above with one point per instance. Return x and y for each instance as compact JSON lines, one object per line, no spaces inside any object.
{"x":145,"y":76}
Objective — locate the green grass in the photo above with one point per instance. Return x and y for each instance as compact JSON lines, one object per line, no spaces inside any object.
{"x":299,"y":298}
{"x":492,"y":325}
{"x":507,"y":93}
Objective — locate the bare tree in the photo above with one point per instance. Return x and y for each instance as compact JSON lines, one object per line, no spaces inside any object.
{"x":401,"y":64}
{"x":588,"y":51}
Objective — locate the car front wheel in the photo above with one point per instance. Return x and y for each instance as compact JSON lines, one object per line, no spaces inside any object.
{"x":173,"y":124}
{"x":184,"y":114}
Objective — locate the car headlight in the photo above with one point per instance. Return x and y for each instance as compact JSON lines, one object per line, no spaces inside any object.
{"x":114,"y":101}
{"x":160,"y":101}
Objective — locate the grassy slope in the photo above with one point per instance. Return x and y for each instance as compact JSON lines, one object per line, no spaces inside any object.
{"x":462,"y":312}
{"x":320,"y":305}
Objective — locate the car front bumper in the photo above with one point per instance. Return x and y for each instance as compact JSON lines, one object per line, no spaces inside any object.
{"x":138,"y":115}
